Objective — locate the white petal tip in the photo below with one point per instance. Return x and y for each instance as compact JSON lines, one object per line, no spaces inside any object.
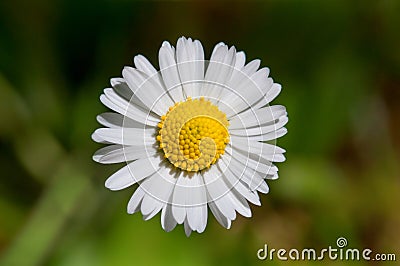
{"x":108,"y":185}
{"x":188,"y":231}
{"x":279,"y":158}
{"x":166,"y":44}
{"x":129,"y":210}
{"x":247,"y":215}
{"x":116,"y":81}
{"x":96,"y":158}
{"x":96,"y":137}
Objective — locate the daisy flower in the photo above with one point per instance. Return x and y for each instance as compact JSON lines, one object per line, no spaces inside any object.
{"x":195,"y":135}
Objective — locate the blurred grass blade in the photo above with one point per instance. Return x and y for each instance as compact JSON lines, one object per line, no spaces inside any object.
{"x":48,"y":218}
{"x":13,"y":111}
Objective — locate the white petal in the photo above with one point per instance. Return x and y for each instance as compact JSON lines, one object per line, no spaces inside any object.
{"x":179,"y":213}
{"x":134,"y":202}
{"x":218,"y":192}
{"x":115,"y":120}
{"x":188,"y":230}
{"x":169,"y":72}
{"x":190,"y":58}
{"x":192,"y":216}
{"x":119,"y":153}
{"x":201,"y":226}
{"x":132,"y":173}
{"x":106,"y":150}
{"x":236,"y":77}
{"x":241,"y":73}
{"x":224,"y":221}
{"x":119,"y":85}
{"x":168,"y":221}
{"x":240,"y":203}
{"x":258,"y":117}
{"x":179,"y":199}
{"x":251,"y":178}
{"x":97,"y":138}
{"x":260,"y":186}
{"x":148,"y":90}
{"x":121,"y":88}
{"x":240,"y":60}
{"x":149,"y":205}
{"x":156,"y":210}
{"x":239,"y":76}
{"x":142,"y":64}
{"x":231,"y":100}
{"x":160,"y":185}
{"x":158,"y":190}
{"x":267,"y":136}
{"x":272,"y":177}
{"x":146,"y":67}
{"x":126,"y":136}
{"x":203,"y":210}
{"x":235,"y":183}
{"x":249,"y":90}
{"x":251,"y":67}
{"x":219,"y":71}
{"x":261,"y":150}
{"x":257,"y":165}
{"x":272,"y":92}
{"x":261,"y":130}
{"x":120,"y":105}
{"x":195,"y":202}
{"x":132,"y":105}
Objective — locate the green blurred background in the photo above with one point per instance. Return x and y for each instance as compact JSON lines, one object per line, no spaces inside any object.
{"x":338,"y":62}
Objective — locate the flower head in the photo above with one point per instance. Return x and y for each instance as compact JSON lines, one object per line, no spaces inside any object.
{"x":195,"y":135}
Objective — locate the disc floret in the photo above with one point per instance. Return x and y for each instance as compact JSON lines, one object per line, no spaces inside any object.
{"x":193,"y":134}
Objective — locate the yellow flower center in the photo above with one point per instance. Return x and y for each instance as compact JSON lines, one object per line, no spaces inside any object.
{"x":193,"y":134}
